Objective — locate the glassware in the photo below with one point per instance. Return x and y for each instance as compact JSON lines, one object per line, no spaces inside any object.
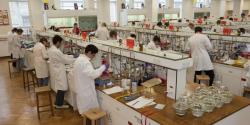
{"x":218,"y":101}
{"x":197,"y":110}
{"x":209,"y":104}
{"x":180,"y":108}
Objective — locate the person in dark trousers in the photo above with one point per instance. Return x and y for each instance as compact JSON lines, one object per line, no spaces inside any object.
{"x":57,"y":62}
{"x":198,"y":45}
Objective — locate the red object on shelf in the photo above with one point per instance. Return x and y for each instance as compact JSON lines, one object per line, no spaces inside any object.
{"x":171,"y":27}
{"x":223,"y":22}
{"x":130,"y":43}
{"x":200,"y":21}
{"x":236,"y":19}
{"x":84,"y":36}
{"x":227,"y":31}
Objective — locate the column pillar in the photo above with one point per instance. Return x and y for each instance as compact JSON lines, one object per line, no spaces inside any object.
{"x":151,"y":10}
{"x":103,"y":13}
{"x":89,"y":4}
{"x":218,"y":8}
{"x":187,"y":9}
{"x":237,"y":7}
{"x":36,"y":13}
{"x":170,"y":4}
{"x":131,"y":4}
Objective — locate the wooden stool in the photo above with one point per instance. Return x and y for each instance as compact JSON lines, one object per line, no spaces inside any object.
{"x":27,"y":82}
{"x":9,"y":63}
{"x":42,"y":91}
{"x":202,"y":78}
{"x":246,"y":91}
{"x":94,"y":115}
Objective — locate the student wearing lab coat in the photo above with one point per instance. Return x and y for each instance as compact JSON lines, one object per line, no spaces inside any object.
{"x":40,"y":62}
{"x":76,"y":30}
{"x":217,"y":28}
{"x":18,"y":49}
{"x":58,"y":71}
{"x":158,"y":26}
{"x":113,"y":35}
{"x":84,"y":79}
{"x":102,"y":32}
{"x":199,"y":44}
{"x":189,"y":28}
{"x":242,"y":32}
{"x":155,"y":43}
{"x":11,"y":36}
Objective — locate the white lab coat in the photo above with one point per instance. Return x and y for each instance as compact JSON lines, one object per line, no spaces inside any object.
{"x":187,"y":29}
{"x":218,"y":29}
{"x":102,"y":33}
{"x":84,"y":76}
{"x":199,"y":44}
{"x":10,"y":41}
{"x":158,"y":28}
{"x":57,"y":68}
{"x":17,"y":51}
{"x":151,"y":45}
{"x":40,"y":63}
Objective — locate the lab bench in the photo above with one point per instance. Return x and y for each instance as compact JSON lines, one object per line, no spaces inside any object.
{"x":121,"y":114}
{"x":229,"y":76}
{"x":4,"y":46}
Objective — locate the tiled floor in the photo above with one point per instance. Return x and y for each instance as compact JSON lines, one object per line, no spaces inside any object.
{"x":18,"y":106}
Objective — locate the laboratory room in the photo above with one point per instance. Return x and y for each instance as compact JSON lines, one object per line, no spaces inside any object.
{"x":124,"y":62}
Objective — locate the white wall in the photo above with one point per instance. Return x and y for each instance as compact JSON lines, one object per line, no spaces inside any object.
{"x":4,"y":5}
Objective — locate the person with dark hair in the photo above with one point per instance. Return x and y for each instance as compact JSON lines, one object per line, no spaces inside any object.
{"x":84,"y":79}
{"x":58,"y":70}
{"x":217,"y":28}
{"x":11,"y":36}
{"x":155,"y":43}
{"x":76,"y":29}
{"x":40,"y":62}
{"x":242,"y":32}
{"x":198,"y":45}
{"x":18,"y":50}
{"x":158,"y":26}
{"x":189,"y":28}
{"x":113,"y":35}
{"x":243,"y":17}
{"x":102,"y":32}
{"x":132,"y":35}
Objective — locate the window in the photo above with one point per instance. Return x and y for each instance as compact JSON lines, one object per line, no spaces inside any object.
{"x":177,"y":3}
{"x":203,"y":3}
{"x":138,"y":4}
{"x":19,"y":12}
{"x":69,"y":4}
{"x":113,"y":9}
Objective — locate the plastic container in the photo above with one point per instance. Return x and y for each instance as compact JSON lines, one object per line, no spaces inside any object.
{"x":130,"y":43}
{"x":84,"y":36}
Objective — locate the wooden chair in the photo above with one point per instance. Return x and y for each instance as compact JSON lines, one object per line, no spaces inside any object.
{"x":246,"y":91}
{"x":44,"y":91}
{"x":200,"y":78}
{"x":94,"y":115}
{"x":27,"y":81}
{"x":10,"y":62}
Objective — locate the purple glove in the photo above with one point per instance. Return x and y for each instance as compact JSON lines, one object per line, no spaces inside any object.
{"x":106,"y":67}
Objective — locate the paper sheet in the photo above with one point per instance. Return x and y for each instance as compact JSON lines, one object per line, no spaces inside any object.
{"x":140,"y":102}
{"x":113,"y":90}
{"x":160,"y":106}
